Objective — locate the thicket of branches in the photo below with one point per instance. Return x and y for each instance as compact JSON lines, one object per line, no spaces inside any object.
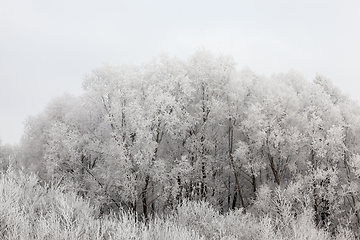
{"x":147,"y":138}
{"x":31,"y":210}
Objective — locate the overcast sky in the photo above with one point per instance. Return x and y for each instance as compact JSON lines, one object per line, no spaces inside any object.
{"x":47,"y":46}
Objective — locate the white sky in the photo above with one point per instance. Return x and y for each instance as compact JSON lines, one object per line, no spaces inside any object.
{"x":47,"y":46}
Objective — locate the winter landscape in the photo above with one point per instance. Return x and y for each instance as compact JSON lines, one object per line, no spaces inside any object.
{"x":179,"y":120}
{"x":187,"y":149}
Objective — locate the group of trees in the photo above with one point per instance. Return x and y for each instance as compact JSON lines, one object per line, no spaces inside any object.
{"x":8,"y":156}
{"x":145,"y":138}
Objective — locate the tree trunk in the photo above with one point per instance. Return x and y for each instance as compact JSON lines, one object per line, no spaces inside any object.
{"x":144,"y":198}
{"x":203,"y":187}
{"x":254,"y":182}
{"x":273,"y":169}
{"x":179,"y":194}
{"x":234,"y":201}
{"x":231,"y":140}
{"x":315,"y":196}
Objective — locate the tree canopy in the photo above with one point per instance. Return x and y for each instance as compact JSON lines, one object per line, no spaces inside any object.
{"x":145,"y":138}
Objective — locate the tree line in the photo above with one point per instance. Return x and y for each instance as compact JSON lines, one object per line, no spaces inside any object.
{"x":146,"y":137}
